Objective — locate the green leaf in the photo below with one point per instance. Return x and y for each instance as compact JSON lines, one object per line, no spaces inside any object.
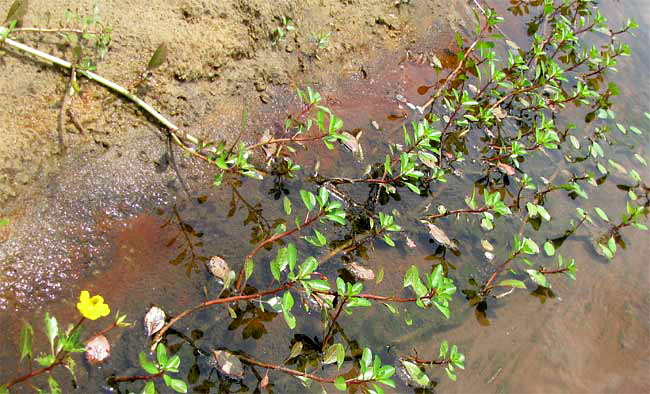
{"x":321,"y":238}
{"x":411,"y":276}
{"x":54,"y":385}
{"x":45,"y":360}
{"x":4,"y":222}
{"x":292,"y":256}
{"x":4,"y":389}
{"x":450,"y":373}
{"x":275,"y":269}
{"x":295,"y":350}
{"x":335,"y":353}
{"x":308,"y":199}
{"x":51,"y":328}
{"x":330,"y":354}
{"x":388,"y":241}
{"x":161,"y":355}
{"x":287,"y":304}
{"x":444,"y":309}
{"x":178,"y":385}
{"x":444,"y":348}
{"x":380,"y":275}
{"x":248,"y":267}
{"x":608,"y":253}
{"x":596,"y":150}
{"x":287,"y":205}
{"x":158,"y":58}
{"x":391,"y":309}
{"x":407,"y":318}
{"x":635,"y":130}
{"x":549,"y":248}
{"x":532,"y":209}
{"x":150,"y":388}
{"x":538,"y":278}
{"x":574,"y":142}
{"x":459,"y":40}
{"x":25,"y":341}
{"x":543,"y":213}
{"x":530,"y":247}
{"x":323,"y":196}
{"x":611,"y":244}
{"x":601,"y":214}
{"x":416,"y":373}
{"x":173,"y":363}
{"x":412,"y":187}
{"x":512,"y":283}
{"x":146,"y":364}
{"x":318,"y":284}
{"x":339,"y":383}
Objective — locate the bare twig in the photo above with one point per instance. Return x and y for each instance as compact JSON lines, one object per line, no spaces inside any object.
{"x":76,"y":122}
{"x":175,"y":130}
{"x":64,"y":103}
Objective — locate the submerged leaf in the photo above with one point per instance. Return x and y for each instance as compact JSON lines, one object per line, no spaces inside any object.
{"x":154,"y":320}
{"x":416,"y":375}
{"x":228,"y":363}
{"x":218,"y":267}
{"x":512,"y":283}
{"x":499,"y":113}
{"x":25,"y":341}
{"x":360,"y":272}
{"x":296,"y":349}
{"x":440,"y":235}
{"x":265,"y":380}
{"x":506,"y":168}
{"x":98,"y":349}
{"x":487,"y":245}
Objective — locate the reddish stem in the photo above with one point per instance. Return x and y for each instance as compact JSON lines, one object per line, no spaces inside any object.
{"x":294,"y":372}
{"x":306,"y":223}
{"x":457,"y":211}
{"x":119,"y":379}
{"x":218,"y":301}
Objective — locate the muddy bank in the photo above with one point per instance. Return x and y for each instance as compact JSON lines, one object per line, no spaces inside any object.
{"x":222,"y":58}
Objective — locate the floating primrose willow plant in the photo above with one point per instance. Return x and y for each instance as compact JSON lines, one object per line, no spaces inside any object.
{"x":506,"y":101}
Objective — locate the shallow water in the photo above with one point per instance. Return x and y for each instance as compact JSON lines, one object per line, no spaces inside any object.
{"x":592,"y":335}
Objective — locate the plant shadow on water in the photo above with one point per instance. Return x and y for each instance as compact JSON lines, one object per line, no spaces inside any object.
{"x":468,"y":208}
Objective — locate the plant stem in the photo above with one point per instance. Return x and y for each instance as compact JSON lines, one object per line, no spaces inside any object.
{"x":306,"y":223}
{"x":119,"y":379}
{"x":458,"y":211}
{"x":294,"y":372}
{"x":331,"y":327}
{"x":487,"y":287}
{"x":217,"y":301}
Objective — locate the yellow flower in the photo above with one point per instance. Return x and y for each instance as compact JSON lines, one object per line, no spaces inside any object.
{"x":92,"y":308}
